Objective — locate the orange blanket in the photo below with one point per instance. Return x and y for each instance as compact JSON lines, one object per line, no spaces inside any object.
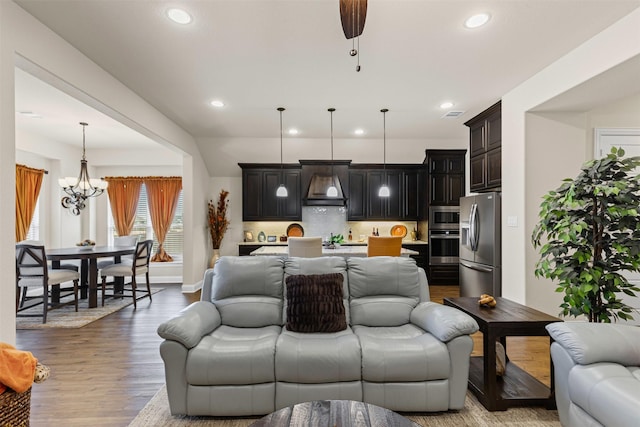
{"x":16,"y":368}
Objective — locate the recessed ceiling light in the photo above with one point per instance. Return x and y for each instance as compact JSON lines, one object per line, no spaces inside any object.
{"x":217,"y":103}
{"x":477,"y":20}
{"x":293,"y":131}
{"x":359,"y":131}
{"x":446,"y":105}
{"x":179,"y":16}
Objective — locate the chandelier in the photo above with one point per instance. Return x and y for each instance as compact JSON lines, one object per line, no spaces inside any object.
{"x":81,"y":188}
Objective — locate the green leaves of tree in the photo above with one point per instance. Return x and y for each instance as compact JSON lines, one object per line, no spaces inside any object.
{"x":588,"y":233}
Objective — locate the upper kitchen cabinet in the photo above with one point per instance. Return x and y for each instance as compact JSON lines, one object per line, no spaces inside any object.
{"x":404,"y":192}
{"x":259,"y":185}
{"x":485,"y":143}
{"x":446,"y":176}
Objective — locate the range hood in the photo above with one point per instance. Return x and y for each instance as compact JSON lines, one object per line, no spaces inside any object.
{"x":317,"y":191}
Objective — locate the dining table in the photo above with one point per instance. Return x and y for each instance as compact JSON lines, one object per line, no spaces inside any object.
{"x":88,"y":256}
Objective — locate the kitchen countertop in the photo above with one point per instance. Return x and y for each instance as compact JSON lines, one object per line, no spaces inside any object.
{"x":356,"y":243}
{"x":345,"y":251}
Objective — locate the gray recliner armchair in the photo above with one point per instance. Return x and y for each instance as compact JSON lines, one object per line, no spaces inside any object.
{"x":597,"y":373}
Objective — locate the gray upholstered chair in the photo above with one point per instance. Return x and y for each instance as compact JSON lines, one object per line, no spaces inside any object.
{"x":384,"y":246}
{"x":32,"y":271}
{"x":305,"y":247}
{"x":597,"y":373}
{"x":120,"y":241}
{"x":139,"y":265}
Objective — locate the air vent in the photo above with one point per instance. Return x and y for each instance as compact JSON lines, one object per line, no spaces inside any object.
{"x":453,"y":114}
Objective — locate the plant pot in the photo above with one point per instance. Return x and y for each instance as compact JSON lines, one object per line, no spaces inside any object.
{"x":214,"y":258}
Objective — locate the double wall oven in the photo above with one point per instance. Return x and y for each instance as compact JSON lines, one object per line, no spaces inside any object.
{"x":444,"y":235}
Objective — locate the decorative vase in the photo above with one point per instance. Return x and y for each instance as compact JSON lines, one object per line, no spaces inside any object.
{"x":214,"y":258}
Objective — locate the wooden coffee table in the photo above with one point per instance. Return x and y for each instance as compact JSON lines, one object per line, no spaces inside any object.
{"x":344,"y":413}
{"x":516,"y":387}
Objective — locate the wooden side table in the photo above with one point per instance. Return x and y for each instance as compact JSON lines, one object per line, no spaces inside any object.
{"x":516,"y":387}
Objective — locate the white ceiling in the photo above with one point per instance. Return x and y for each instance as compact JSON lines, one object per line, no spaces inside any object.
{"x":57,"y":117}
{"x":261,"y":54}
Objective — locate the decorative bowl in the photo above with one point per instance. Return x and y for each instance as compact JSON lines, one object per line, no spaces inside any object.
{"x":86,"y":245}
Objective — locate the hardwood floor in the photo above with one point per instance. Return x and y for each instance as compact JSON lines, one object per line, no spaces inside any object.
{"x":104,"y":373}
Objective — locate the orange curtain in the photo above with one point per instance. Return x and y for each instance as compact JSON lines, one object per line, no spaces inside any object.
{"x":162,"y":194}
{"x":28,"y":183}
{"x":124,"y":193}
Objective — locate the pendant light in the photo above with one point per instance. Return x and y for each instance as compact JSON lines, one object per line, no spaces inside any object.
{"x":282,"y":190}
{"x":79,"y":189}
{"x":384,"y":189}
{"x":332,"y":191}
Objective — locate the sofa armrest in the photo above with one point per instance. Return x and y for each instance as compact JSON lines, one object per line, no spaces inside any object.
{"x":589,"y":343}
{"x":443,"y":322}
{"x":191,"y":324}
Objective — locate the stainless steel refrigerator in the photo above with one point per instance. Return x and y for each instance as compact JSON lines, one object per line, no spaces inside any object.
{"x":480,"y":245}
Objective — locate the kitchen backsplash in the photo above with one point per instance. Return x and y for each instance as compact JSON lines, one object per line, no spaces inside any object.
{"x":324,"y":220}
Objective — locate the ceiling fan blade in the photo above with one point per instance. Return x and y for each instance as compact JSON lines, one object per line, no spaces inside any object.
{"x":353,"y":14}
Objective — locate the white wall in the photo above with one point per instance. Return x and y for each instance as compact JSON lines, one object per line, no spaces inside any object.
{"x":25,"y":42}
{"x":558,"y":151}
{"x":7,"y":180}
{"x":523,"y":150}
{"x":624,"y":113}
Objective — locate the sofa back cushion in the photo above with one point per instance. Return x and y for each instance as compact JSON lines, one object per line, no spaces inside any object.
{"x":384,"y":290}
{"x":248,"y":290}
{"x":321,"y":265}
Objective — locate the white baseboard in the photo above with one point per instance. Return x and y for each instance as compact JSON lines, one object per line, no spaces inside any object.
{"x":160,"y":279}
{"x":192,"y":288}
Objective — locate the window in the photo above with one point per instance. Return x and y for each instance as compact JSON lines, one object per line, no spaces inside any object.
{"x":143,"y":229}
{"x":34,"y":227}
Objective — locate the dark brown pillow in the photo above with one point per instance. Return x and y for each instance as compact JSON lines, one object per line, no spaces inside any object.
{"x":314,"y":303}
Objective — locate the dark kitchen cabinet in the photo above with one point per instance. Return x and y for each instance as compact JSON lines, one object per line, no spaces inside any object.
{"x":402,"y":203}
{"x":412,"y":196}
{"x":422,"y":259}
{"x":485,"y":144}
{"x":443,"y":274}
{"x":446,"y":176}
{"x":259,"y":186}
{"x":357,"y":204}
{"x":245,"y":250}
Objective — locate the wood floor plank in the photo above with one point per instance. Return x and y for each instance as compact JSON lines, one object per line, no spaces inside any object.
{"x":104,"y":373}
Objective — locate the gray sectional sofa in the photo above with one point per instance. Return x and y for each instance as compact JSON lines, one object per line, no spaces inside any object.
{"x":597,"y":373}
{"x":232,"y":354}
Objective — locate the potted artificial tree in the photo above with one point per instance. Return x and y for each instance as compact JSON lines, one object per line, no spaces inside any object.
{"x":589,"y":234}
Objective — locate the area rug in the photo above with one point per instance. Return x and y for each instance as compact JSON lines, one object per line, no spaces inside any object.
{"x":66,"y":317}
{"x":156,"y":413}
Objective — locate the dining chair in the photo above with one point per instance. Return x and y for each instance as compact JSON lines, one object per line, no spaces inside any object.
{"x":32,"y":271}
{"x":139,"y":265}
{"x":120,"y":241}
{"x":384,"y":246}
{"x":65,"y":266}
{"x":305,"y":247}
